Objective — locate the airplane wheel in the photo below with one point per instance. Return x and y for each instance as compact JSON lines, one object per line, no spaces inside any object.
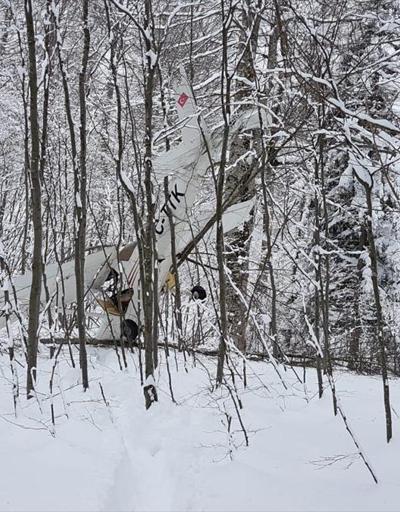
{"x":198,"y":293}
{"x":130,"y":329}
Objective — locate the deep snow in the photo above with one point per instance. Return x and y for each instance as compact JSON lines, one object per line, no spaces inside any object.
{"x":181,"y":456}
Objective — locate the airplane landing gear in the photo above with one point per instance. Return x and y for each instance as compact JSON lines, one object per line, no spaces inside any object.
{"x":198,"y":293}
{"x":130,"y":329}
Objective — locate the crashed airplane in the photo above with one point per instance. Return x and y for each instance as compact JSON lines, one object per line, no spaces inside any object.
{"x":112,"y":276}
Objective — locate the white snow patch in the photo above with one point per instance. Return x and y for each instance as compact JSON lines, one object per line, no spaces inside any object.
{"x":115,"y":455}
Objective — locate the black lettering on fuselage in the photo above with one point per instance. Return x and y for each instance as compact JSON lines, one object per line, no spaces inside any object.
{"x":159,"y":229}
{"x":169,"y":203}
{"x":176,"y":193}
{"x":164,"y":209}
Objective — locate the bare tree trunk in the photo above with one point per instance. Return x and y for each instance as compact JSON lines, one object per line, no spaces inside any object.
{"x":239,"y":239}
{"x":177,"y":303}
{"x":267,"y":248}
{"x":80,"y":180}
{"x":317,"y":260}
{"x":269,"y":157}
{"x":26,"y":145}
{"x":48,"y":46}
{"x":150,"y":285}
{"x":325,"y":277}
{"x":44,"y":135}
{"x":34,"y":299}
{"x":142,"y":229}
{"x":220,"y":182}
{"x":378,"y":308}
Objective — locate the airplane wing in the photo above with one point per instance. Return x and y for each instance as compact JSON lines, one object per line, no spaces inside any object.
{"x":189,"y":226}
{"x":97,"y":267}
{"x":235,"y":215}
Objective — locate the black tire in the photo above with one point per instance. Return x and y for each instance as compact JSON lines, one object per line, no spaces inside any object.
{"x":130,"y":329}
{"x":198,"y":293}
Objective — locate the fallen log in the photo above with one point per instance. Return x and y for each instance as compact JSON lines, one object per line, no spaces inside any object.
{"x":298,"y":360}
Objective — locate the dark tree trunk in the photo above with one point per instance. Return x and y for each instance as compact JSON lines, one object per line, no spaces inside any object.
{"x":379,"y":314}
{"x":238,"y":178}
{"x":219,"y":183}
{"x":80,"y":181}
{"x":146,"y":281}
{"x":150,"y":286}
{"x":34,"y":299}
{"x":177,"y":304}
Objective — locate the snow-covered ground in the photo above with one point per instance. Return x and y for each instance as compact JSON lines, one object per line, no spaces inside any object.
{"x":181,"y":456}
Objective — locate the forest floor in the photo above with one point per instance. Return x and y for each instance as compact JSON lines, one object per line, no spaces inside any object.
{"x":180,"y":456}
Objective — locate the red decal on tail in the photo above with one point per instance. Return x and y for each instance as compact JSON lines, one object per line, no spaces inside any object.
{"x":182,"y":99}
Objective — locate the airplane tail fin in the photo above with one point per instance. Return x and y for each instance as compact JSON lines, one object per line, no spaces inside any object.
{"x":185,"y":105}
{"x":194,"y":133}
